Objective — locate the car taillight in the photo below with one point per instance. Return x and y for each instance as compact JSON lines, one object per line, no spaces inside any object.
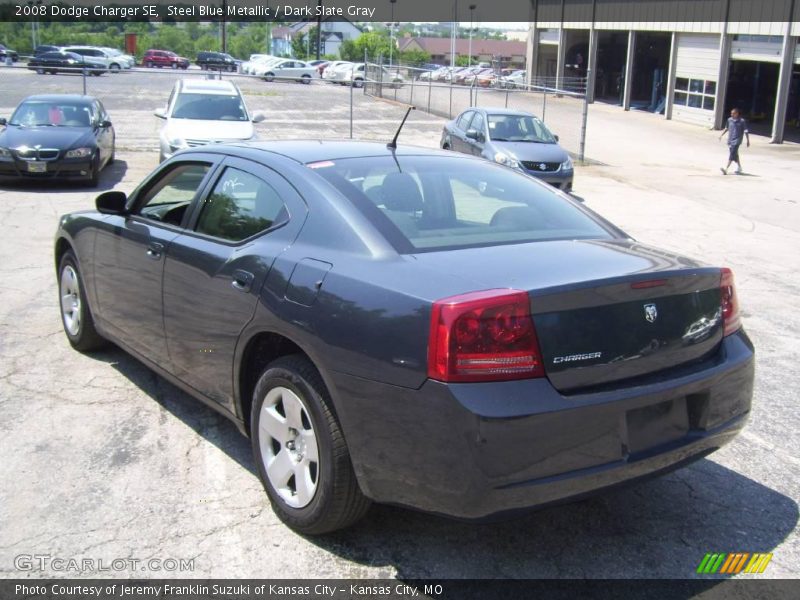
{"x":483,"y":336}
{"x":730,"y":303}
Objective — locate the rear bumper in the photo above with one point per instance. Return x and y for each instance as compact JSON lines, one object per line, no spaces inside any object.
{"x":472,"y":451}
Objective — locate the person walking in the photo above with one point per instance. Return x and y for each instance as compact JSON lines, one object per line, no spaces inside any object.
{"x":736,"y":128}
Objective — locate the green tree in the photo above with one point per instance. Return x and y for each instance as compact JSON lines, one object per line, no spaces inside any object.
{"x":305,"y":45}
{"x":415,"y":57}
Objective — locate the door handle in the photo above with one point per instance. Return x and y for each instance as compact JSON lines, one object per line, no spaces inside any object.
{"x":154,"y":250}
{"x":242,"y":280}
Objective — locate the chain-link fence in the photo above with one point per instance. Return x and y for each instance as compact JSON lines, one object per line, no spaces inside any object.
{"x":559,"y":102}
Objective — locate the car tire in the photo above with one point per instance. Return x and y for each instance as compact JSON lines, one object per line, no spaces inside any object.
{"x":359,"y":83}
{"x":148,"y":65}
{"x":76,"y":316}
{"x":305,"y":79}
{"x":40,"y":71}
{"x":94,"y":176}
{"x":114,"y":67}
{"x":292,"y":420}
{"x":269,"y":77}
{"x":113,"y":156}
{"x":174,"y":65}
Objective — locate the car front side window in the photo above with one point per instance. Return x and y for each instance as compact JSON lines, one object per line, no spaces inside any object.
{"x":167,"y":199}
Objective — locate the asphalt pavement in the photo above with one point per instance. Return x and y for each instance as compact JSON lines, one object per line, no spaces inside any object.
{"x":103,"y":459}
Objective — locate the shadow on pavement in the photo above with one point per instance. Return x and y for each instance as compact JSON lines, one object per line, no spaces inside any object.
{"x":658,"y":529}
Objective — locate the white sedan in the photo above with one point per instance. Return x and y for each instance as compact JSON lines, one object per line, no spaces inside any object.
{"x":290,"y":70}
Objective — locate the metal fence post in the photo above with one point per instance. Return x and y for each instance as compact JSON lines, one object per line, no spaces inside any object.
{"x":430,"y":90}
{"x":352,"y":85}
{"x":544,"y":103}
{"x":584,"y":117}
{"x":450,"y":111}
{"x":506,"y":97}
{"x":411,"y":100}
{"x":84,"y":80}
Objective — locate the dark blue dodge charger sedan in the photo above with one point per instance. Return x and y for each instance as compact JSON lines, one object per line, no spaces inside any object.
{"x":409,"y":326}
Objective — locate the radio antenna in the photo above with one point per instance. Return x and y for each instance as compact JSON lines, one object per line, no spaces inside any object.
{"x":393,"y":144}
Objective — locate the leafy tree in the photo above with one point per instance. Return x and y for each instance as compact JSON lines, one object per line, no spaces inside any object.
{"x":305,"y":45}
{"x":415,"y":57}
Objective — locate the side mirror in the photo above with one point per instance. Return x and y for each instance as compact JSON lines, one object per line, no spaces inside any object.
{"x":3,"y":121}
{"x":258,"y":116}
{"x":474,"y":134}
{"x":105,"y":124}
{"x":555,"y":137}
{"x":161,"y":113}
{"x":111,"y":203}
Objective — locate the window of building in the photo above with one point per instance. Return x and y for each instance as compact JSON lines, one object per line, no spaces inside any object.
{"x":695,"y":93}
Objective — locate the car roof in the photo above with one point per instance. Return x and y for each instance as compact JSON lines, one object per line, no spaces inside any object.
{"x":208,"y":86}
{"x":501,"y":111}
{"x":310,"y":151}
{"x":61,"y":98}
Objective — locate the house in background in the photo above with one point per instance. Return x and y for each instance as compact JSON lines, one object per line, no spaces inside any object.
{"x":503,"y":53}
{"x":281,"y":41}
{"x":332,"y":34}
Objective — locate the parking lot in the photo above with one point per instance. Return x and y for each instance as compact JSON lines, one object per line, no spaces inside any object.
{"x":103,"y":459}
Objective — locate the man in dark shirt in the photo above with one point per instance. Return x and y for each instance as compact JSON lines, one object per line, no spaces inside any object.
{"x":736,"y":128}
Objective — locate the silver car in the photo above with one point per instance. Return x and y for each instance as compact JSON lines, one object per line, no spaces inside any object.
{"x":291,"y":70}
{"x":513,"y":138}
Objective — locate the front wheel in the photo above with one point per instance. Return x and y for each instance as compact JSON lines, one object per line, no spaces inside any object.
{"x":300,"y":451}
{"x":40,"y":71}
{"x":174,"y":65}
{"x":75,"y":314}
{"x":94,"y":176}
{"x":306,"y":79}
{"x":148,"y":65}
{"x":359,"y":83}
{"x":268,"y":77}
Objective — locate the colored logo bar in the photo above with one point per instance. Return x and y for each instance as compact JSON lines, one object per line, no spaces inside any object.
{"x":733,"y":563}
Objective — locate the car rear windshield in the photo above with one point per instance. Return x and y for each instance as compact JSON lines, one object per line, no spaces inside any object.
{"x":209,"y":107}
{"x":427,"y":203}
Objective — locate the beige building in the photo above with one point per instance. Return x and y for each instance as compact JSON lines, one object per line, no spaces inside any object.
{"x":690,"y":70}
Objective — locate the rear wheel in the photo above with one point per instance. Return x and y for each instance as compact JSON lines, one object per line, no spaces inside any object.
{"x":174,"y":65}
{"x":305,"y":79}
{"x":358,"y":82}
{"x":148,"y":64}
{"x":269,"y":77}
{"x":40,"y":71}
{"x":75,"y":314}
{"x":114,"y":67}
{"x":300,"y":451}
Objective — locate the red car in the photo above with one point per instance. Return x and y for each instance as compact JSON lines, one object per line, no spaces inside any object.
{"x":164,"y":58}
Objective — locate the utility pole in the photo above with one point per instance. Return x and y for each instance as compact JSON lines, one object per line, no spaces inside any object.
{"x":222,"y":25}
{"x":471,"y":11}
{"x":319,"y":26}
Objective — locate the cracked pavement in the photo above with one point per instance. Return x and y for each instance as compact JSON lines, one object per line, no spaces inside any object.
{"x":103,"y":459}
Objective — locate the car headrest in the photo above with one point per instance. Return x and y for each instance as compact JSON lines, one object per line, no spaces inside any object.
{"x":400,"y":192}
{"x":517,"y":217}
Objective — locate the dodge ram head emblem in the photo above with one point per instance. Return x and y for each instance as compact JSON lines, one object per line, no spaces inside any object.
{"x":650,"y":313}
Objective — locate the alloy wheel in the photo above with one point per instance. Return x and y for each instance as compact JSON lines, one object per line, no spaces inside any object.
{"x":289,"y":447}
{"x":70,"y":300}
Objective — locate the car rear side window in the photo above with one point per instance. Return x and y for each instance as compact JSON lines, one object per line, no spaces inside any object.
{"x":240,"y":206}
{"x":426,"y":203}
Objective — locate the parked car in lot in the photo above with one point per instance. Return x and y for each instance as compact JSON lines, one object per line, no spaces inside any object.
{"x":95,"y":56}
{"x":357,"y":74}
{"x":201,"y":112}
{"x":64,"y":62}
{"x":216,"y":61}
{"x":164,"y":58}
{"x":57,"y":136}
{"x":513,"y":138}
{"x":516,"y":79}
{"x":252,"y":62}
{"x":290,"y":70}
{"x":384,"y":331}
{"x":330,"y":73}
{"x":125,"y":61}
{"x":8,"y":52}
{"x":44,"y":48}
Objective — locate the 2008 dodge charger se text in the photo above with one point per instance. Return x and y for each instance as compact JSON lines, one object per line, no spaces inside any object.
{"x":409,"y":326}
